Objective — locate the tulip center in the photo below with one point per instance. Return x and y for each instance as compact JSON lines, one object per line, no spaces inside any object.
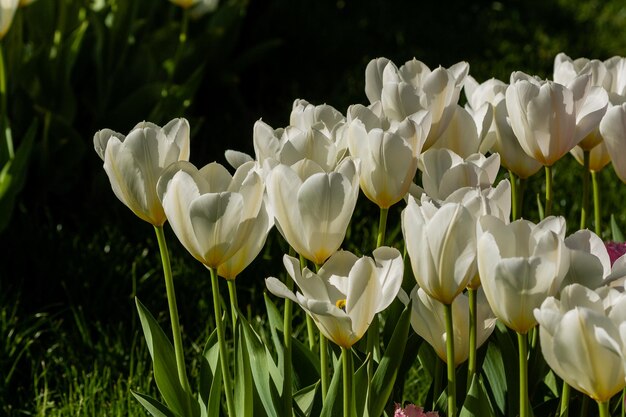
{"x":341,"y":304}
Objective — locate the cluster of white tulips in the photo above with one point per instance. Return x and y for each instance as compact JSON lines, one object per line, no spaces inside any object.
{"x":474,"y":259}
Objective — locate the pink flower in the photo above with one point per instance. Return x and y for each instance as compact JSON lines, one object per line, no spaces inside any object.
{"x":615,"y":250}
{"x":412,"y":410}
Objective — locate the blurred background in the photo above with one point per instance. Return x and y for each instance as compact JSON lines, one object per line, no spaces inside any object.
{"x":73,"y":257}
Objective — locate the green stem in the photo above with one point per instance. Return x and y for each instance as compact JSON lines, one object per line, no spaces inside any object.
{"x":310,"y":332}
{"x":346,"y":356}
{"x":4,"y":110}
{"x":471,"y":368}
{"x":523,"y":375}
{"x":514,"y":203}
{"x":221,"y":340}
{"x":323,"y":356}
{"x":520,"y":196}
{"x":171,"y":301}
{"x":310,"y":324}
{"x":548,"y":208}
{"x":585,"y":202}
{"x":603,"y":408}
{"x":324,"y":365}
{"x":450,"y":361}
{"x":382,"y":227}
{"x":234,"y":304}
{"x":565,"y":394}
{"x":596,"y":202}
{"x":287,"y":364}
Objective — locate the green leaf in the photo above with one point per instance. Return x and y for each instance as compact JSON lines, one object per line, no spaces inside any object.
{"x":358,"y":382}
{"x":477,"y":402}
{"x":617,"y":234}
{"x":385,"y":375}
{"x":210,"y":377}
{"x":304,"y":399}
{"x":333,"y":404}
{"x":261,"y":362}
{"x":164,"y":363}
{"x":243,"y":377}
{"x":540,"y":207}
{"x":13,"y":175}
{"x":153,"y":406}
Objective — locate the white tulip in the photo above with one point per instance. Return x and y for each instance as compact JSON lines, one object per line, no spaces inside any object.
{"x":580,"y":339}
{"x":520,"y":265}
{"x":346,"y":293}
{"x":312,"y":208}
{"x":613,"y":130}
{"x":211,"y":213}
{"x":134,"y":163}
{"x":441,"y":243}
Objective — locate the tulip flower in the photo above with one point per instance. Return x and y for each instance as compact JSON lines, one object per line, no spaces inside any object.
{"x":315,"y":133}
{"x":441,"y":243}
{"x":413,"y":87}
{"x":520,"y":265}
{"x":615,"y":250}
{"x":616,"y":66}
{"x":134,"y":163}
{"x":312,"y":209}
{"x":346,"y":293}
{"x":574,"y":333}
{"x":548,"y":118}
{"x":388,"y":158}
{"x":211,"y":213}
{"x":444,"y":172}
{"x":427,"y":319}
{"x":590,"y":263}
{"x":252,"y":245}
{"x":411,"y":410}
{"x":613,"y":130}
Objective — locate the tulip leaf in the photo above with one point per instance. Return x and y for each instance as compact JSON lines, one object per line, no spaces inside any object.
{"x":243,"y":377}
{"x":333,"y":403}
{"x":540,"y":207}
{"x":13,"y":175}
{"x":276,"y":325}
{"x":152,"y":406}
{"x":304,"y":400}
{"x":261,"y":363}
{"x":308,"y":369}
{"x":493,"y":367}
{"x":617,"y":234}
{"x":477,"y":402}
{"x":360,"y":395}
{"x":164,"y":364}
{"x":385,"y":375}
{"x":210,"y":377}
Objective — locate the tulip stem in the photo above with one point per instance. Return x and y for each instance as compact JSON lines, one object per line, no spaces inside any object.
{"x":323,"y":356}
{"x":565,"y":394}
{"x":585,"y":202}
{"x":603,"y":408}
{"x":596,"y":203}
{"x":513,"y":180}
{"x":234,"y":304}
{"x":324,"y":365}
{"x":473,"y":320}
{"x":171,"y":302}
{"x":548,"y":208}
{"x":382,"y":227}
{"x":450,"y":361}
{"x":585,"y":405}
{"x":346,"y":356}
{"x":523,"y":374}
{"x":310,"y":325}
{"x":287,"y":365}
{"x":221,"y":339}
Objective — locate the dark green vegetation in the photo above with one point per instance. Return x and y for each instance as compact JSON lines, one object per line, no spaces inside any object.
{"x":73,"y":257}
